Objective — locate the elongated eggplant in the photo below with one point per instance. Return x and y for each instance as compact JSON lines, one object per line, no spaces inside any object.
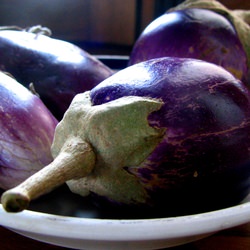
{"x":27,"y":131}
{"x":165,"y":134}
{"x":58,"y":70}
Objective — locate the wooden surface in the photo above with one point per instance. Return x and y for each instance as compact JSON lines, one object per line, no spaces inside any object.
{"x":237,"y":238}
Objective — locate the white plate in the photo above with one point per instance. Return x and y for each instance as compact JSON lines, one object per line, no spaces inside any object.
{"x":84,"y":230}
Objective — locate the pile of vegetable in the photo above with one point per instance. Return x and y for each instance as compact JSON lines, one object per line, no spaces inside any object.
{"x":151,"y":139}
{"x":167,"y":135}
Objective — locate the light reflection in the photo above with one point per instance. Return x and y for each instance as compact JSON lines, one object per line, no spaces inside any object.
{"x":11,"y":86}
{"x":62,"y":51}
{"x":59,"y":50}
{"x":132,"y":74}
{"x":162,"y":21}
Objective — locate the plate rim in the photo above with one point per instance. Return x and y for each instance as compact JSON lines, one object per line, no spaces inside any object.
{"x":126,"y":229}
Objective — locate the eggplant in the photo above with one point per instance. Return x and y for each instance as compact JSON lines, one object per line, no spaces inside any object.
{"x":27,"y":131}
{"x":57,"y":69}
{"x":164,"y":135}
{"x":196,"y":32}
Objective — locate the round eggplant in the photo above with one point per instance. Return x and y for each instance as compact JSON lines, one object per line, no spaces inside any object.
{"x":27,"y":131}
{"x":57,"y":70}
{"x":193,"y":33}
{"x":168,"y":134}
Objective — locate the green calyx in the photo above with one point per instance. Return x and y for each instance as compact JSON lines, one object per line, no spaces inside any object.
{"x":92,"y":147}
{"x":240,"y":19}
{"x":120,"y":136}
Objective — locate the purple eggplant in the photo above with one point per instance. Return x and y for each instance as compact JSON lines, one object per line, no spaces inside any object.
{"x":27,"y":131}
{"x":58,"y":70}
{"x":165,"y":133}
{"x":194,"y":33}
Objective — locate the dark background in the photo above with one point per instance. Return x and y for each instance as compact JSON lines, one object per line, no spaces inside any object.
{"x":107,"y":26}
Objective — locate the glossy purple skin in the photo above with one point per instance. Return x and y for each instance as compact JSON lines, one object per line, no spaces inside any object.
{"x":193,"y":33}
{"x":27,"y":130}
{"x":206,"y":112}
{"x":58,"y":69}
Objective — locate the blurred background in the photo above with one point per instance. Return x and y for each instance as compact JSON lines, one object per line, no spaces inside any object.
{"x":98,"y":26}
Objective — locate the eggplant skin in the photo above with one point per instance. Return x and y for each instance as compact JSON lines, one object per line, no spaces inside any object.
{"x":203,"y":161}
{"x":193,"y":33}
{"x":27,"y":132}
{"x":57,"y":69}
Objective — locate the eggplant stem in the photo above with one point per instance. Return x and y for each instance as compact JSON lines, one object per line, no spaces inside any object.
{"x":37,"y":29}
{"x":11,"y":27}
{"x":243,"y":14}
{"x":76,"y":160}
